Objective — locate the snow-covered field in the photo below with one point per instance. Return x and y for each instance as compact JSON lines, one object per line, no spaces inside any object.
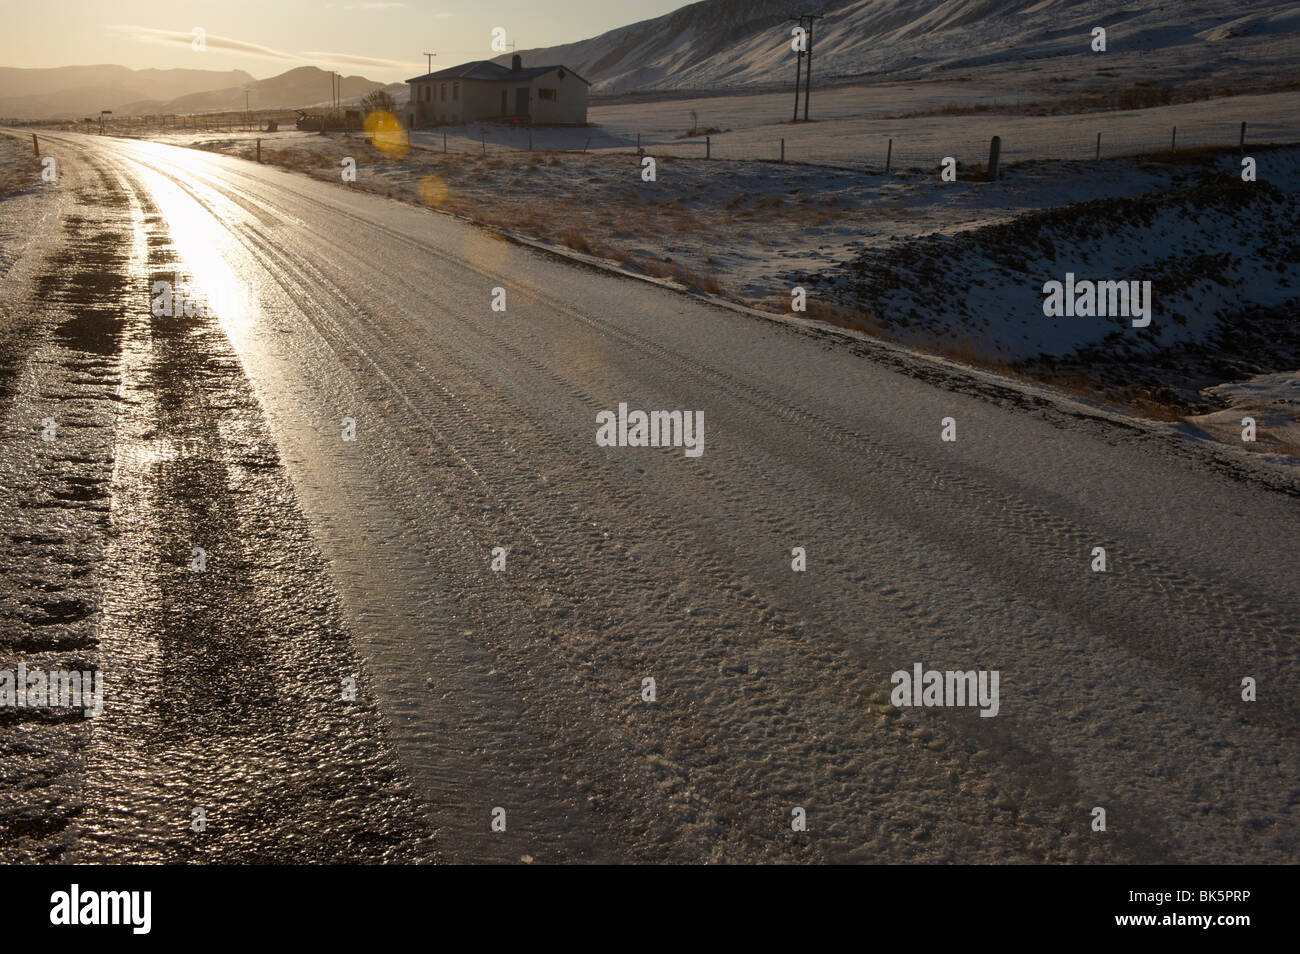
{"x":853,"y":126}
{"x":1272,"y":400}
{"x":1211,"y":250}
{"x":851,"y":134}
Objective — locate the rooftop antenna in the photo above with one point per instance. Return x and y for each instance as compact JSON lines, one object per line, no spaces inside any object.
{"x":430,"y":57}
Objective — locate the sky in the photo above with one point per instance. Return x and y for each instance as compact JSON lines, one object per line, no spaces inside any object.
{"x":384,"y":41}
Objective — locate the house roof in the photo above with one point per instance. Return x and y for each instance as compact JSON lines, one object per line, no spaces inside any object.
{"x":489,"y":72}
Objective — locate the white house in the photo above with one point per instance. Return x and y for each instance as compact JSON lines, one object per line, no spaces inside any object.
{"x":483,"y":90}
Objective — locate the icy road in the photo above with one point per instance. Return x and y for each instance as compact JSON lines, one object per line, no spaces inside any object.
{"x":363,"y":585}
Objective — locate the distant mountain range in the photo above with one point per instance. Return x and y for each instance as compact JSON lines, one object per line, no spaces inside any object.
{"x":718,"y":44}
{"x":73,"y":92}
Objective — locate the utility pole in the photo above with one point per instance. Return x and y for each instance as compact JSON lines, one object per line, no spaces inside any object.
{"x":429,"y":59}
{"x":805,"y":48}
{"x":807,"y":82}
{"x":798,"y":72}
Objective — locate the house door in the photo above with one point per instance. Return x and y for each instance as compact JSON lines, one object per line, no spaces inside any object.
{"x":503,"y":103}
{"x":521,"y":101}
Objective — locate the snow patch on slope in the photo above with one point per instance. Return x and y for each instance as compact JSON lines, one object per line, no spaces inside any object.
{"x":726,"y":43}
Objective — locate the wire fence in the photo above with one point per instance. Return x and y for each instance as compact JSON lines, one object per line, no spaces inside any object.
{"x":876,"y":153}
{"x":894,"y":153}
{"x":834,"y":145}
{"x":227,"y":122}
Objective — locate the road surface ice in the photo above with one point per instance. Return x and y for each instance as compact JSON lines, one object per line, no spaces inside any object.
{"x":344,"y":314}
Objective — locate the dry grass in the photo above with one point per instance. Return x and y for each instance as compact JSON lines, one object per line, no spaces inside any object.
{"x":1069,"y":381}
{"x":1156,"y":409}
{"x":1286,"y":447}
{"x":832,"y":312}
{"x":27,"y":176}
{"x":575,"y":240}
{"x":707,"y":282}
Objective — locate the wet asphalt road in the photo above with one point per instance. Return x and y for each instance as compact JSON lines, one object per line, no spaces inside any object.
{"x":328,"y":558}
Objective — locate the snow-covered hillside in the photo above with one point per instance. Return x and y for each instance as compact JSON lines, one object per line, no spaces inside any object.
{"x":726,"y":43}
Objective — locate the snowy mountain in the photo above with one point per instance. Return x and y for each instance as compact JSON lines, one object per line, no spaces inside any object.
{"x":728,"y":43}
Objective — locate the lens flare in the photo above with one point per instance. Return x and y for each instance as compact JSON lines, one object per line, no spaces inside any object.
{"x":485,"y":249}
{"x":386,"y":134}
{"x":433,"y":190}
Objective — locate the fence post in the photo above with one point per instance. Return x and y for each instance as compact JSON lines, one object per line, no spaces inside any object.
{"x":530,"y":140}
{"x":783,"y":150}
{"x":1243,"y":137}
{"x":708,"y":147}
{"x":586,"y":144}
{"x":36,"y":146}
{"x":1173,"y":142}
{"x":889,"y":156}
{"x":259,"y":150}
{"x":995,"y":153}
{"x":483,"y":133}
{"x":1099,"y":147}
{"x":638,"y":142}
{"x":444,"y":143}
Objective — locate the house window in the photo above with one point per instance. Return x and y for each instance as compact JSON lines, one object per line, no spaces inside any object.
{"x":548,"y":94}
{"x":455,"y":91}
{"x":444,"y":92}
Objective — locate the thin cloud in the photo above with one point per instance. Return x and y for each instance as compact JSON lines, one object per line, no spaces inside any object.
{"x":373,"y":6}
{"x":352,"y":60}
{"x":211,"y":41}
{"x":227,"y":44}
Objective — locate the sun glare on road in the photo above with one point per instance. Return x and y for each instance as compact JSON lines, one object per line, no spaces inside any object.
{"x":203,"y":245}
